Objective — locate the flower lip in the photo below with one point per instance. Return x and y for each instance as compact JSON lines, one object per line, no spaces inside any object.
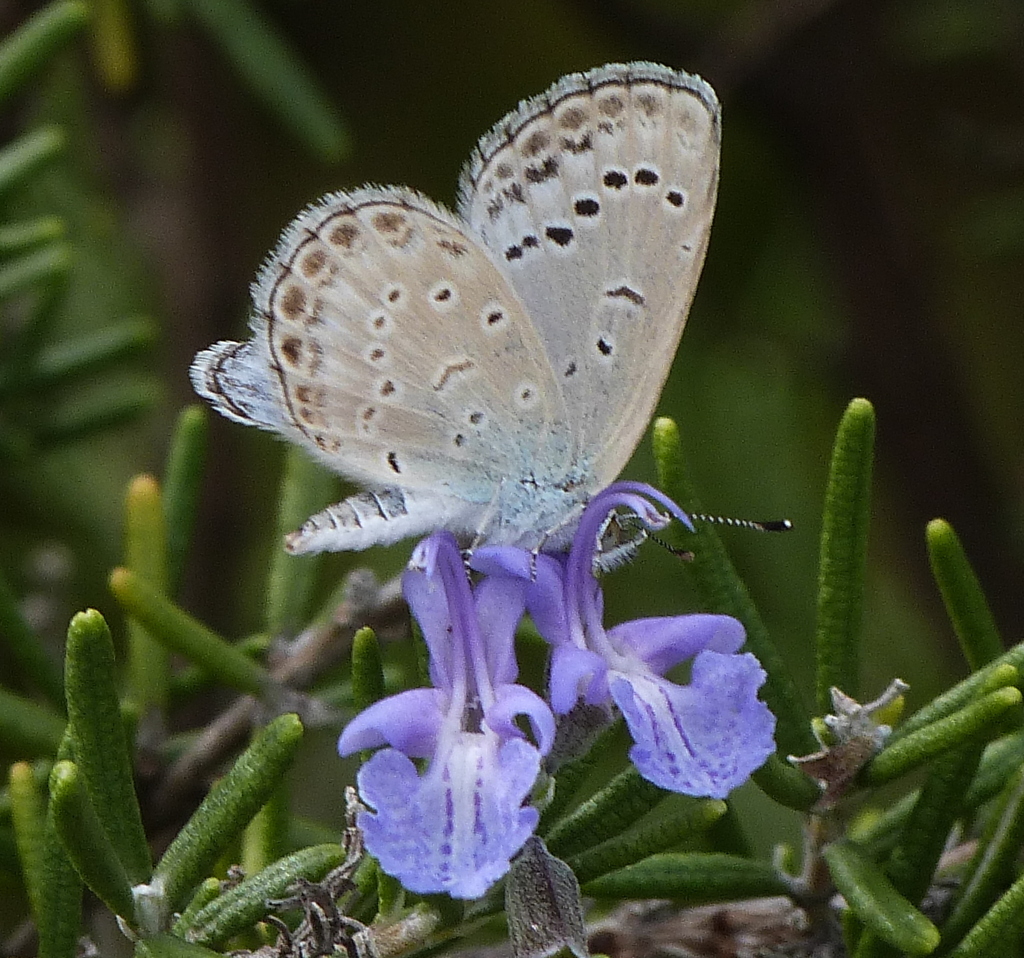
{"x":453,"y":826}
{"x":704,"y":738}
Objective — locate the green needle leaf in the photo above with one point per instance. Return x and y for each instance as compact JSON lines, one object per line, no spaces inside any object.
{"x":691,"y":879}
{"x":999,"y":762}
{"x":169,"y":946}
{"x":113,"y":45}
{"x":1004,"y":671}
{"x":961,"y":592}
{"x":844,"y":539}
{"x":786,"y":784}
{"x":177,"y":630}
{"x":82,"y":419}
{"x":227,"y":809}
{"x":913,"y":861}
{"x":62,"y":364}
{"x":182,"y":482}
{"x":44,"y":265}
{"x":149,"y":662}
{"x":874,"y":900}
{"x":264,"y":839}
{"x":207,"y":891}
{"x":689,"y":818}
{"x":367,"y":670}
{"x":27,"y":234}
{"x":625,"y":800}
{"x":35,"y":42}
{"x":571,"y":776}
{"x":28,"y":815}
{"x":86,"y":841}
{"x":59,"y":923}
{"x":29,"y":153}
{"x":985,"y":717}
{"x":100,"y":745}
{"x":242,"y":906}
{"x":274,"y":73}
{"x":992,"y":867}
{"x":1000,"y":931}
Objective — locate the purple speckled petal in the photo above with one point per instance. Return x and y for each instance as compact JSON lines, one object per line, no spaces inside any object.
{"x":703,"y":739}
{"x":409,"y":721}
{"x":454,"y":829}
{"x":668,"y":640}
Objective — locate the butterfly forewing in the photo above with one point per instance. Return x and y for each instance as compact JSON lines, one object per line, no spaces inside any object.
{"x":597,"y":199}
{"x":386,"y":333}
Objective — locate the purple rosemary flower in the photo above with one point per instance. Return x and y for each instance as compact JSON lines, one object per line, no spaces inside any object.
{"x":704,"y":738}
{"x":454,"y":827}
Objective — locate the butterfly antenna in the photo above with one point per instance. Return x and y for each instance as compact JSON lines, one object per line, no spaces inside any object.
{"x":770,"y":525}
{"x":685,"y":554}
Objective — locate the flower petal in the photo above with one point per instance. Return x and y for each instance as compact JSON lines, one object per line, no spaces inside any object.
{"x":513,"y":700}
{"x":454,"y":829}
{"x":703,"y":739}
{"x":429,"y":606}
{"x":409,"y":721}
{"x":499,"y":604}
{"x":544,"y":575}
{"x":545,"y":600}
{"x":664,"y":641}
{"x":504,"y":561}
{"x":575,"y":673}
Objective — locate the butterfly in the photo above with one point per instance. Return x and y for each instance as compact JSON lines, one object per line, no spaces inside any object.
{"x":488,"y":370}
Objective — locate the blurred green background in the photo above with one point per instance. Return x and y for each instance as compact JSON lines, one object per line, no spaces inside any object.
{"x":868,"y":241}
